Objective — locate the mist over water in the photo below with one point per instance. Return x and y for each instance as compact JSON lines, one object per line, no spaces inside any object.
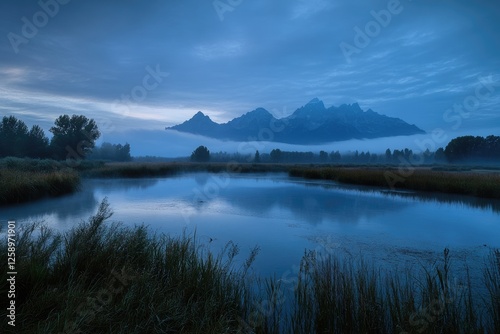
{"x":176,"y":144}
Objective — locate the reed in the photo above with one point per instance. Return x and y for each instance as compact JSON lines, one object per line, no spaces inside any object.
{"x":18,"y":186}
{"x":154,"y":169}
{"x":102,"y":277}
{"x":485,"y":185}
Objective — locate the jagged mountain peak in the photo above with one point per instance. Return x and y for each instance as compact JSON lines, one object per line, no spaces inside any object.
{"x":200,"y":115}
{"x":259,"y":112}
{"x":314,"y":109}
{"x":314,"y":101}
{"x":354,"y":107}
{"x":310,"y":124}
{"x":255,"y":118}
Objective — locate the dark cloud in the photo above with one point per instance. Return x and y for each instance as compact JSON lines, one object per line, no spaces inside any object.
{"x":274,"y":54}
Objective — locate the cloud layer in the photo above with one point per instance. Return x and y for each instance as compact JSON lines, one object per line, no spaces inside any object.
{"x":413,"y":59}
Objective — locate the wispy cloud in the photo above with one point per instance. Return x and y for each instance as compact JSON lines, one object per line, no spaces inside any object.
{"x":218,"y":50}
{"x":307,"y":8}
{"x":276,"y":55}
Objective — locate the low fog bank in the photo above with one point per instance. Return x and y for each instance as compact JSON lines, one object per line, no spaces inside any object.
{"x":171,"y":144}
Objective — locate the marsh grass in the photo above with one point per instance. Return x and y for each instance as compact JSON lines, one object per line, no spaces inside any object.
{"x":485,"y":185}
{"x":102,"y":277}
{"x":47,"y":165}
{"x":334,"y":295}
{"x":29,"y":179}
{"x":18,"y":186}
{"x":23,"y":180}
{"x":170,"y":285}
{"x":152,"y":169}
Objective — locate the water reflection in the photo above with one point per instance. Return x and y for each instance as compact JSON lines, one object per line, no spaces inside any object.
{"x":74,"y":207}
{"x":470,"y":201}
{"x":473,"y":202}
{"x":313,"y":206}
{"x":276,"y":196}
{"x":284,"y":215}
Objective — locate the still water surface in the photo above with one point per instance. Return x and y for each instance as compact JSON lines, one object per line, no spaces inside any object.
{"x":284,"y":216}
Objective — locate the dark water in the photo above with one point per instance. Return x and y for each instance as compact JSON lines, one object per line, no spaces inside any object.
{"x":285,"y":216}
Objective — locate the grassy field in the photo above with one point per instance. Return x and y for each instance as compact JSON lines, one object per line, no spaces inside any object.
{"x":106,"y":278}
{"x":482,"y":184}
{"x":18,"y":186}
{"x":152,"y":169}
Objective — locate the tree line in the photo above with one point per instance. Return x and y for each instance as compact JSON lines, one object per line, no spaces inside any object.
{"x":73,"y":137}
{"x":474,"y":149}
{"x":460,"y":149}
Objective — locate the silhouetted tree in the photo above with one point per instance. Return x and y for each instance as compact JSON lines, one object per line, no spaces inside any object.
{"x":439,"y":155}
{"x":335,"y":156}
{"x":427,"y":156}
{"x":323,"y":156}
{"x":74,"y":137}
{"x":256,"y":158}
{"x":276,"y":155}
{"x":408,"y":155}
{"x":14,"y":140}
{"x":355,"y":157}
{"x":38,"y":143}
{"x":388,"y":156}
{"x":112,"y":152}
{"x":201,"y":154}
{"x":473,"y":148}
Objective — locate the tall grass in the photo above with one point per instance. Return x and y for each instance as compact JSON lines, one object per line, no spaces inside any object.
{"x":105,"y":278}
{"x":18,"y":186}
{"x":485,"y":185}
{"x":101,"y":278}
{"x":346,"y":296}
{"x":152,"y":169}
{"x":23,"y":180}
{"x":47,"y":165}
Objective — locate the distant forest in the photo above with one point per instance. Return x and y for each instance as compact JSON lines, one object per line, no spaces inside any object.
{"x":73,"y":138}
{"x":466,"y":149}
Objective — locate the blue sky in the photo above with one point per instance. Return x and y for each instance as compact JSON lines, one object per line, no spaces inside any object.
{"x":432,"y":63}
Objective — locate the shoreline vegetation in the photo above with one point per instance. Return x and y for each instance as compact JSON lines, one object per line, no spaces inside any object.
{"x":23,"y":180}
{"x":104,"y":277}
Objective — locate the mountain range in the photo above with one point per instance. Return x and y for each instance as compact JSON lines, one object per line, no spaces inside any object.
{"x":310,"y":124}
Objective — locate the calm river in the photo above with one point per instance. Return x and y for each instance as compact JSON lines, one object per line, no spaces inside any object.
{"x":284,"y":216}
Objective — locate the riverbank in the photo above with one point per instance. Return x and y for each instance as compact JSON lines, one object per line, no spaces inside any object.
{"x":479,"y":184}
{"x":24,"y":180}
{"x":454,"y":180}
{"x":157,"y":169}
{"x":24,"y":186}
{"x":102,"y":277}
